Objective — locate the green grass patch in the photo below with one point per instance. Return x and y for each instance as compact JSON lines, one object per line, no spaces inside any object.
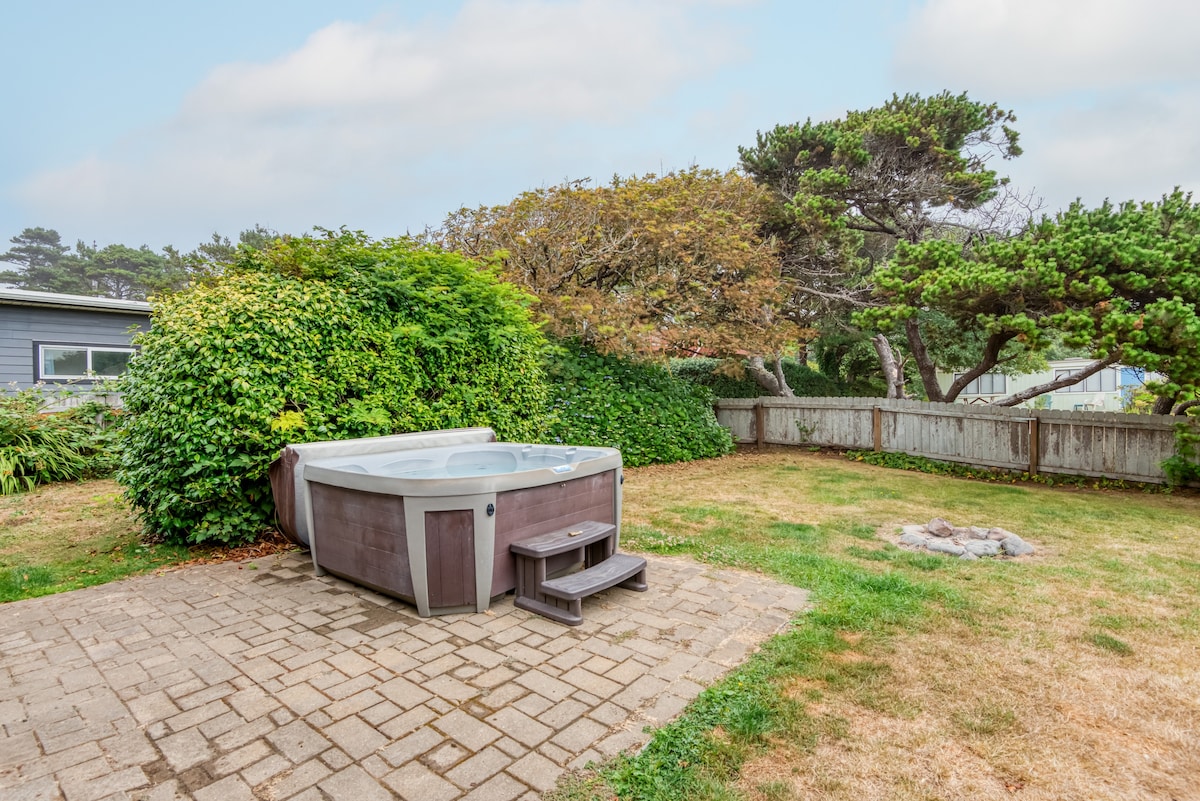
{"x":1108,"y":642}
{"x":20,"y":581}
{"x":986,"y":718}
{"x":70,"y":535}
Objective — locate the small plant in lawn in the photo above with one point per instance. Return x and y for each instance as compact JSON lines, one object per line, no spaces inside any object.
{"x":1109,"y":643}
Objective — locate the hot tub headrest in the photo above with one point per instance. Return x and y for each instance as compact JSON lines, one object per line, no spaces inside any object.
{"x":287,"y":471}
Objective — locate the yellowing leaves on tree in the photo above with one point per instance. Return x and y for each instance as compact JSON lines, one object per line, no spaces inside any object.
{"x":644,"y":266}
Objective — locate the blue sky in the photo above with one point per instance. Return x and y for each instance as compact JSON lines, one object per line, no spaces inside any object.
{"x":159,"y":123}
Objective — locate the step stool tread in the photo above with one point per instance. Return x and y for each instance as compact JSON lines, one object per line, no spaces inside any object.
{"x":613,"y":570}
{"x":563,"y":540}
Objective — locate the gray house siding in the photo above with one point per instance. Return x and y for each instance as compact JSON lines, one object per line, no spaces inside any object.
{"x":22,"y":326}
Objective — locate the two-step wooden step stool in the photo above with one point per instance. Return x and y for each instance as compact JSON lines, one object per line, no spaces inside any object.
{"x":561,"y":598}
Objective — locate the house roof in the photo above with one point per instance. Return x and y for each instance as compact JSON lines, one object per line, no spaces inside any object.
{"x":25,"y":297}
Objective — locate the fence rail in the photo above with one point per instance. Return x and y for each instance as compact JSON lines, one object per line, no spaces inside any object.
{"x":1102,"y":444}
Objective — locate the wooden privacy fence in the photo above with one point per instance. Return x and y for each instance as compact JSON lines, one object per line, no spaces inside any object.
{"x":1103,"y":444}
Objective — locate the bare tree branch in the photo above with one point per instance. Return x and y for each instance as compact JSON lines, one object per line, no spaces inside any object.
{"x":1059,"y":383}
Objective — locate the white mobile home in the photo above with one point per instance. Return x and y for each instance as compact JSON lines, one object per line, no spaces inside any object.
{"x":1106,"y":390}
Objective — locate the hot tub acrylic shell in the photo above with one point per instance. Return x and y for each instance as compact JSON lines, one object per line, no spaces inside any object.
{"x":433,"y":526}
{"x":287,"y":472}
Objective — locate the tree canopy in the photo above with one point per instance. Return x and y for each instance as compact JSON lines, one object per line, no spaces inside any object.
{"x":45,"y":264}
{"x":654,"y":265}
{"x":1122,"y":282}
{"x":886,"y":170}
{"x":848,"y":190}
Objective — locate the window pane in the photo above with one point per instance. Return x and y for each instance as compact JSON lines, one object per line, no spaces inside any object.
{"x":63,"y":362}
{"x":109,"y":362}
{"x":1063,"y":374}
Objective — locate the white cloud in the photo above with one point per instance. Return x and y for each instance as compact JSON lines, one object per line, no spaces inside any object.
{"x":1129,"y":146}
{"x":1106,"y":92}
{"x":361,"y":114}
{"x":1015,"y":49}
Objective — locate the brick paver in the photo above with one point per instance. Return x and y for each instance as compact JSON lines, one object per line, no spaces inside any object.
{"x":231,"y":681}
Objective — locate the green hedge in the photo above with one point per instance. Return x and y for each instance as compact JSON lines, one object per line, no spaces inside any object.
{"x":320,"y":338}
{"x":638,"y":407}
{"x":804,"y":381}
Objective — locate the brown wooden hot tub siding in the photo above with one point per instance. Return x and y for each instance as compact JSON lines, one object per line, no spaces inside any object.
{"x":528,"y":512}
{"x":363,"y":536}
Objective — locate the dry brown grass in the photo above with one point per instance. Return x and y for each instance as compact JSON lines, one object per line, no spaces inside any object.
{"x":1074,"y":674}
{"x":64,"y":521}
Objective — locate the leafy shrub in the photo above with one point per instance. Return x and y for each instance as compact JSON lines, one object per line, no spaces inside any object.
{"x":638,"y":407}
{"x":315,"y":338}
{"x":1184,"y":466}
{"x":39,"y":447}
{"x":804,"y":381}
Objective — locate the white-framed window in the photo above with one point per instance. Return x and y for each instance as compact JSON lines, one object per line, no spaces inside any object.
{"x":1103,"y":381}
{"x":60,"y":361}
{"x":986,"y":384}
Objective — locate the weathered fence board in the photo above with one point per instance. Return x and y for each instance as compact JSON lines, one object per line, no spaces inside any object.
{"x":1101,"y":444}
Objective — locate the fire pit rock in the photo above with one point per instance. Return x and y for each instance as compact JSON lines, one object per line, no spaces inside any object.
{"x":965,"y":542}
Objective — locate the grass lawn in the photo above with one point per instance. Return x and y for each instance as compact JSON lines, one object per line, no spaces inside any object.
{"x":70,"y":535}
{"x":1070,"y":674}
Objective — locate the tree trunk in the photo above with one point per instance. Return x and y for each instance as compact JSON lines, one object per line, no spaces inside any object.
{"x":1162,"y":405}
{"x":892,"y":373}
{"x":991,"y":357}
{"x":1181,"y":408}
{"x":925,"y":365}
{"x":1059,"y":383}
{"x":771,"y":380}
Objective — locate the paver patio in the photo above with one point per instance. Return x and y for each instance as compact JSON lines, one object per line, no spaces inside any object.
{"x":258,"y":681}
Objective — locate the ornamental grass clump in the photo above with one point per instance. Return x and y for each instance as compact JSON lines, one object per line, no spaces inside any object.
{"x":315,"y":338}
{"x":38,"y":446}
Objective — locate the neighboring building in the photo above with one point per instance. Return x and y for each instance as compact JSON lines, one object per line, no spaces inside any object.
{"x":1105,"y":390}
{"x":65,"y":339}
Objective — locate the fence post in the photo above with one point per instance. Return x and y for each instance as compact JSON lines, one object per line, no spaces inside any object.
{"x":1034,"y":446}
{"x":760,"y":425}
{"x":877,"y":428}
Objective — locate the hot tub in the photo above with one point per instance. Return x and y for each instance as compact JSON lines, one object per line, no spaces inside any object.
{"x":431,"y":521}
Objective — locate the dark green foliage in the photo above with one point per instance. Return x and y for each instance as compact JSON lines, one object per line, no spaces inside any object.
{"x":1184,"y":466}
{"x":638,"y":407}
{"x":880,"y":170}
{"x":315,"y":339}
{"x":804,"y":381}
{"x":114,"y":271}
{"x":37,"y":447}
{"x":1118,"y":281}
